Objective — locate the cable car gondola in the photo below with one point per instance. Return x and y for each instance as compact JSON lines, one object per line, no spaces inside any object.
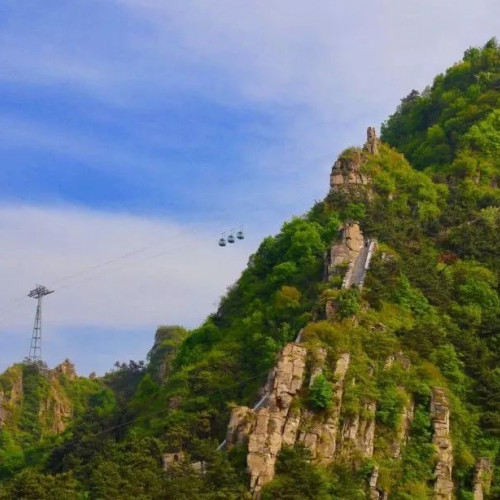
{"x":240,"y":235}
{"x":230,"y":238}
{"x":222,"y":241}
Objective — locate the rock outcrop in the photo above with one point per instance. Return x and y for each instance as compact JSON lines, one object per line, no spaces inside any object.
{"x":342,"y":253}
{"x":347,"y":174}
{"x":440,"y":414}
{"x":408,"y":411}
{"x":358,"y":433}
{"x":399,"y":357}
{"x":482,"y":478}
{"x":319,"y":433}
{"x":317,"y":364}
{"x":266,"y":439}
{"x":274,"y":423}
{"x":372,"y":142}
{"x":56,"y":410}
{"x":375,"y":493}
{"x":406,"y":418}
{"x":278,"y":422}
{"x":11,"y":393}
{"x":66,"y":368}
{"x":241,"y":423}
{"x":48,"y":392}
{"x":351,"y":255}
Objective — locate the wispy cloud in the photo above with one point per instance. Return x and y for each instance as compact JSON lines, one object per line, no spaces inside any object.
{"x":167,"y":273}
{"x":216,"y":112}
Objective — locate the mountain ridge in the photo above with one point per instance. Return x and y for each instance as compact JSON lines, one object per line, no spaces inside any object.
{"x":394,"y":388}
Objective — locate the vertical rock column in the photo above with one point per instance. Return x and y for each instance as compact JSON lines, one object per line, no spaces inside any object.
{"x":358,"y":433}
{"x":440,"y":414}
{"x":266,"y":438}
{"x":321,"y":434}
{"x":317,"y":366}
{"x":372,"y":142}
{"x":407,"y":415}
{"x":374,"y":493}
{"x":345,"y":251}
{"x":482,"y":478}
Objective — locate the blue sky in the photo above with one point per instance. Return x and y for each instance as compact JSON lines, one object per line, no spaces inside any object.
{"x":130,"y":123}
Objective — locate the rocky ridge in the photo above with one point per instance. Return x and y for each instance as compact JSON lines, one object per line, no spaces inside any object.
{"x":280,"y":419}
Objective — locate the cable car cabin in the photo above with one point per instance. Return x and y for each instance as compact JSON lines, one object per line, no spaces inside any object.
{"x":222,"y":242}
{"x":230,"y":239}
{"x":240,"y":235}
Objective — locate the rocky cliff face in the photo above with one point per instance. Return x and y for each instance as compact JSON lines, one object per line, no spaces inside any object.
{"x":338,"y":434}
{"x":345,"y":251}
{"x":319,"y":431}
{"x":66,"y":368}
{"x":347,"y":174}
{"x":11,"y":394}
{"x":330,"y":435}
{"x":56,"y":410}
{"x":482,"y":478}
{"x":43,"y":394}
{"x":273,"y":424}
{"x":440,"y":414}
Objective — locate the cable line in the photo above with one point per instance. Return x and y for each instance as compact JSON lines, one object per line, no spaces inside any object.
{"x":17,"y":302}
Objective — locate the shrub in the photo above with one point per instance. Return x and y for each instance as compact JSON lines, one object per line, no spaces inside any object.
{"x":320,"y":393}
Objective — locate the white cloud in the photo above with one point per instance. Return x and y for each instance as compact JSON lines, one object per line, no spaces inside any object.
{"x":177,"y":280}
{"x":325,"y":55}
{"x":328,"y":69}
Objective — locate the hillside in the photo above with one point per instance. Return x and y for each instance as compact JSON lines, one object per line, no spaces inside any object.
{"x":357,"y":356}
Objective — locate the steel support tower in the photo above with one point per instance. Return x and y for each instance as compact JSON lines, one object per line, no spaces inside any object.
{"x":36,"y":339}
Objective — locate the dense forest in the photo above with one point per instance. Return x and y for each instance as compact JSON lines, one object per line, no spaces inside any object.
{"x":430,"y":303}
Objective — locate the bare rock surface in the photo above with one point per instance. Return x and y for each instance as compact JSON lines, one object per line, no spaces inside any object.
{"x":346,"y":251}
{"x":440,"y":414}
{"x":407,"y":415}
{"x":372,"y":142}
{"x":358,"y":433}
{"x":317,"y":365}
{"x":66,"y":368}
{"x":482,"y":478}
{"x":241,"y":423}
{"x":347,"y":174}
{"x":374,"y":492}
{"x":354,"y":252}
{"x":11,"y":395}
{"x":274,"y":423}
{"x":319,"y":433}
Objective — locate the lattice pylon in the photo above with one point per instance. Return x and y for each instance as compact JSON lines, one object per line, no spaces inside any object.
{"x":35,"y":354}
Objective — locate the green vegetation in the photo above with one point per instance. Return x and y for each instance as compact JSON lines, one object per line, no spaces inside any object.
{"x":320,"y":393}
{"x":428,"y":315}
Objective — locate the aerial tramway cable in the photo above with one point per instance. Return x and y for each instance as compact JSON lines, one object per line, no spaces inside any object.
{"x":20,"y":300}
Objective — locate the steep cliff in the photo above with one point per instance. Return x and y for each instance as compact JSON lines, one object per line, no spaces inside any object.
{"x":36,"y":402}
{"x":371,"y":407}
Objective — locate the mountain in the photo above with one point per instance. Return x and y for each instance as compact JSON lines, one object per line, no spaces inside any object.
{"x":357,"y":356}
